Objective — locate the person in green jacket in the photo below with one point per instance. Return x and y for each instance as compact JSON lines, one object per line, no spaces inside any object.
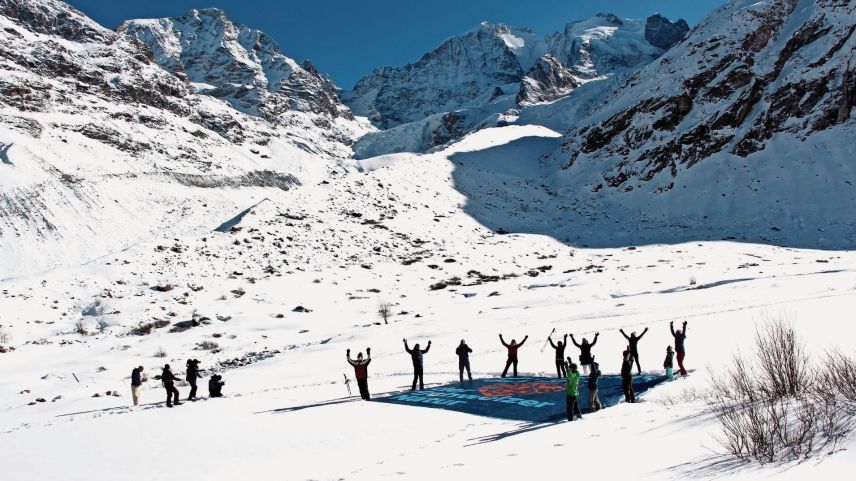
{"x":572,"y":391}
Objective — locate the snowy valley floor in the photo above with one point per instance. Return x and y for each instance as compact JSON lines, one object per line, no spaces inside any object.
{"x":338,"y":248}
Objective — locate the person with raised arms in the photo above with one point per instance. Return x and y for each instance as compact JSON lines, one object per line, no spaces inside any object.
{"x":585,"y":351}
{"x":559,"y":346}
{"x":680,"y":336}
{"x":416,"y":356}
{"x":512,"y":353}
{"x":632,"y":345}
{"x":361,"y":371}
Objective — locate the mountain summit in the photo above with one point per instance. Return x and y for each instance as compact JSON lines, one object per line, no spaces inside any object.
{"x":238,"y":64}
{"x":491,"y":60}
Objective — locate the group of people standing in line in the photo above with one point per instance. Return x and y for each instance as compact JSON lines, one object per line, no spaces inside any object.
{"x":565,"y":367}
{"x":169,"y":380}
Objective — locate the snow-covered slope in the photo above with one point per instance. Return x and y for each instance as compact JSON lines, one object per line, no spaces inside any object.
{"x":236,"y":63}
{"x":338,"y":249}
{"x":746,"y":122}
{"x":750,"y":75}
{"x":487,"y":76}
{"x":100,"y":146}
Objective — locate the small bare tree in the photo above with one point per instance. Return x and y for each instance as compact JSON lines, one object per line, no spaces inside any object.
{"x":4,"y":336}
{"x":384,"y":310}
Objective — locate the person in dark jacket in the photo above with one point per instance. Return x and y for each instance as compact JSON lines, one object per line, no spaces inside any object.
{"x":560,"y":356}
{"x":168,"y":379}
{"x":512,"y":353}
{"x":594,"y":376}
{"x":136,"y":384}
{"x":667,"y":363}
{"x":627,"y":377}
{"x":680,"y":336}
{"x":463,"y":351}
{"x":192,"y":374}
{"x":215,"y":386}
{"x":361,"y":371}
{"x":585,"y":351}
{"x":416,"y":356}
{"x":633,"y":345}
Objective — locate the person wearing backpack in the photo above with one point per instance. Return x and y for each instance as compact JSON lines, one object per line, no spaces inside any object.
{"x":572,"y":392}
{"x":560,"y":355}
{"x":416,"y":356}
{"x":192,"y":374}
{"x":593,"y":377}
{"x":667,"y":363}
{"x":463,"y":351}
{"x":361,"y":371}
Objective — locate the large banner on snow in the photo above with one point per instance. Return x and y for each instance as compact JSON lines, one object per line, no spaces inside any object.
{"x":533,"y":399}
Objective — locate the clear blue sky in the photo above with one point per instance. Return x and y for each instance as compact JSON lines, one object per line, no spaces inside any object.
{"x":349,"y":38}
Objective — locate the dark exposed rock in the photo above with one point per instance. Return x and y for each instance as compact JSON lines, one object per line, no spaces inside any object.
{"x":545,"y":81}
{"x":661,"y":32}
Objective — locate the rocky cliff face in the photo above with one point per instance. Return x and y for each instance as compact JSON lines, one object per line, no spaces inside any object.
{"x":467,"y":71}
{"x":748,"y":74}
{"x":99,"y":145}
{"x":545,"y":81}
{"x":240,"y":65}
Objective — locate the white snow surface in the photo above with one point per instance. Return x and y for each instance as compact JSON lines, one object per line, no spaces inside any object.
{"x":288,"y":416}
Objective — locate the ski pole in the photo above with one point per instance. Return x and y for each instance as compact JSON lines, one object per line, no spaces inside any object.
{"x":548,"y":340}
{"x":347,"y":384}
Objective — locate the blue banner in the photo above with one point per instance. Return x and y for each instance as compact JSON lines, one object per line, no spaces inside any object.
{"x":535,"y":399}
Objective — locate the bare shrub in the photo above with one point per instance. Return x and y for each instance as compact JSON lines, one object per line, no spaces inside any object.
{"x":80,"y":328}
{"x":5,"y":337}
{"x":142,"y":329}
{"x":839,"y":375}
{"x":784,"y":365}
{"x":160,"y":352}
{"x":779,"y":406}
{"x":384,"y":310}
{"x":208,"y":345}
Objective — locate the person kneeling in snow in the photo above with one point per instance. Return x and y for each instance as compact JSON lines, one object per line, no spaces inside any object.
{"x":572,"y":391}
{"x":361,"y":371}
{"x":215,"y":386}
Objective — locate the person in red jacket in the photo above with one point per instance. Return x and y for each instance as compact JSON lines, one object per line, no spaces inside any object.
{"x":361,"y":371}
{"x":512,"y":353}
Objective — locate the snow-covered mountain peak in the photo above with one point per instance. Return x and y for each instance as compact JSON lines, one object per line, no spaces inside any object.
{"x":238,"y":64}
{"x":55,"y":17}
{"x":468,"y":70}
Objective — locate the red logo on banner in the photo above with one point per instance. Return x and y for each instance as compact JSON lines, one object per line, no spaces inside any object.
{"x":519,"y":389}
